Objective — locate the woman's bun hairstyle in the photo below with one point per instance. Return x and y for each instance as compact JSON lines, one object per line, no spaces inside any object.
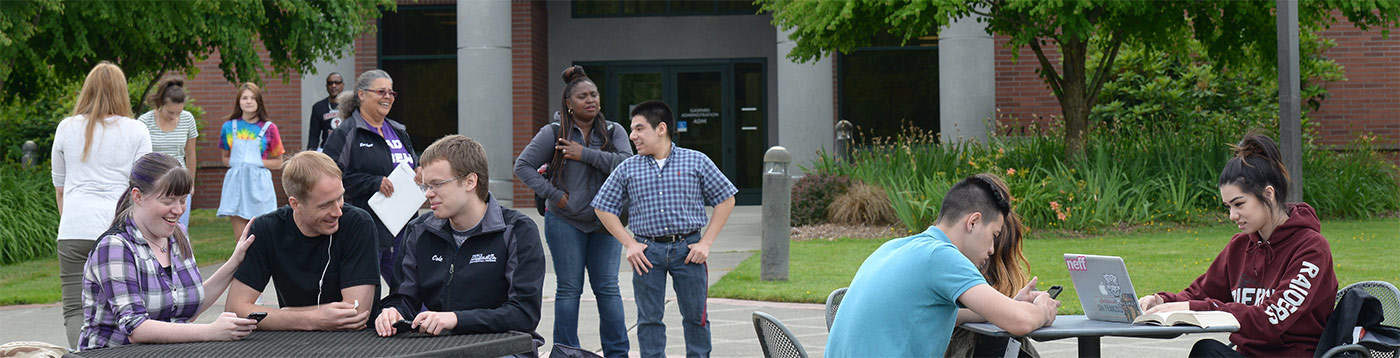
{"x":574,"y":73}
{"x":1257,"y":164}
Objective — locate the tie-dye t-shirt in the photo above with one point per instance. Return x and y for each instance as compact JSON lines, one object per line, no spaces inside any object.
{"x":240,"y":129}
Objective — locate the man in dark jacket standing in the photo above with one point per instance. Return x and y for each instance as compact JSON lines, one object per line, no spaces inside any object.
{"x":477,"y":267}
{"x":325,"y":114}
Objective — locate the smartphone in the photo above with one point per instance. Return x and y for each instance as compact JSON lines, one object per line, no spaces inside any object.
{"x":1054,"y":291}
{"x":403,"y":326}
{"x":257,"y":316}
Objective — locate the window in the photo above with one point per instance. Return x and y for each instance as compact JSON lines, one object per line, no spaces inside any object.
{"x":418,"y":48}
{"x":629,"y":8}
{"x":884,"y":88}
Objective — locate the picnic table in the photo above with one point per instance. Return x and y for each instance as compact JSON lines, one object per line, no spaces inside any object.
{"x":1089,"y":331}
{"x":363,"y":343}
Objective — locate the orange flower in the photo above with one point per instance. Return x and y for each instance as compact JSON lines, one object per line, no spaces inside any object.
{"x":1010,"y":171}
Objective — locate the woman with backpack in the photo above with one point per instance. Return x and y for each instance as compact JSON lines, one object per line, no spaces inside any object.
{"x":579,"y":152}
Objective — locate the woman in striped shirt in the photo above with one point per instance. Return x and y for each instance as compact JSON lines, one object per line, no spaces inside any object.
{"x":172,"y":128}
{"x":141,"y":283}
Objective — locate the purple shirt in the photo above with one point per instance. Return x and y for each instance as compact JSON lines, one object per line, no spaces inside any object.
{"x":397,"y":152}
{"x":124,"y":285}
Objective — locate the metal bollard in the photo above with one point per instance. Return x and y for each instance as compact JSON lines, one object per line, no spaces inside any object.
{"x":28,"y":159}
{"x":844,"y":136}
{"x":777,"y":214}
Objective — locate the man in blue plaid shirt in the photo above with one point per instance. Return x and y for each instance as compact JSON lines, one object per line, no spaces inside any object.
{"x":668,"y":188}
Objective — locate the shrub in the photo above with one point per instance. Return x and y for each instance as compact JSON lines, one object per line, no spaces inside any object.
{"x":812,"y":194}
{"x":1130,"y":175}
{"x":28,"y":213}
{"x":863,"y":204}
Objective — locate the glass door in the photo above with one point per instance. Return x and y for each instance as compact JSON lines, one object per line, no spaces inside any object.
{"x":700,"y":108}
{"x":719,"y":110}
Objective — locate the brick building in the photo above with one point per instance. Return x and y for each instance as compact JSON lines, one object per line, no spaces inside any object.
{"x":720,"y":66}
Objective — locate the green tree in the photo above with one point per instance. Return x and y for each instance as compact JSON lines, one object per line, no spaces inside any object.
{"x":1088,"y":34}
{"x":44,"y":43}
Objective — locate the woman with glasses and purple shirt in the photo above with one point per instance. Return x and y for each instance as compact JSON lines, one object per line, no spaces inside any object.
{"x":368,"y":146}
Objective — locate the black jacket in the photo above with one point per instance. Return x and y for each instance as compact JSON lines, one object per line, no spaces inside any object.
{"x":364,"y":160}
{"x":493,"y":282}
{"x":321,"y":126}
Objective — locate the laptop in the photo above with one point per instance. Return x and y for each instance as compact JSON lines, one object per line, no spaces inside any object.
{"x":1103,"y":287}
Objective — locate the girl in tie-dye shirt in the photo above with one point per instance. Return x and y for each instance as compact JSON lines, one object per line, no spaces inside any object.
{"x":251,"y":146}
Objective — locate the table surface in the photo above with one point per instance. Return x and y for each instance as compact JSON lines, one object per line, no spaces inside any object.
{"x":1067,"y":326}
{"x":334,"y":344}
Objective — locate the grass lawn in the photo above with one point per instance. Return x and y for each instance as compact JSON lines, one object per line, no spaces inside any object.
{"x":36,"y":281}
{"x":1161,"y":260}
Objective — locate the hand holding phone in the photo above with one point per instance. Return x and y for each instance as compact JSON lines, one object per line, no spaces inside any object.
{"x":257,"y":316}
{"x":1054,"y":291}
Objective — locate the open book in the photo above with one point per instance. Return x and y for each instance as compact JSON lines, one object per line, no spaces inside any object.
{"x":1203,"y":319}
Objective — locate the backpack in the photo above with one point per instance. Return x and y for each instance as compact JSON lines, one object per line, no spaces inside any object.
{"x":544,"y":169}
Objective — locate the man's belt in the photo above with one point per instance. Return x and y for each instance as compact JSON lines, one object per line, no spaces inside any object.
{"x":670,"y":238}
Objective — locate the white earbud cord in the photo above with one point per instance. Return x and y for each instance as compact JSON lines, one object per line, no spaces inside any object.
{"x":322,"y":281}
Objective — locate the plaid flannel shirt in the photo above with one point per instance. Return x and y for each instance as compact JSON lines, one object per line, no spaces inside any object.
{"x":665,"y":201}
{"x":124,"y":285}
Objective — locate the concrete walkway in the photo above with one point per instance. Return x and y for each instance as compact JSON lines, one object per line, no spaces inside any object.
{"x":731,"y":320}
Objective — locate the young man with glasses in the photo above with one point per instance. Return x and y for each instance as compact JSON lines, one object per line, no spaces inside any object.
{"x":325,"y":114}
{"x":668,"y":188}
{"x":318,"y":252}
{"x":475,"y":266}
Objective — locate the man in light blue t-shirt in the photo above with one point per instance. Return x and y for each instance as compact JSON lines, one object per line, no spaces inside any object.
{"x":906,"y":297}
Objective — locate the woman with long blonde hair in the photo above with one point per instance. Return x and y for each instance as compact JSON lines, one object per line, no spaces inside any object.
{"x":93,"y":151}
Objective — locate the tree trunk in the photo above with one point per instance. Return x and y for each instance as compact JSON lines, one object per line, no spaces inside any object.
{"x":1075,"y":102}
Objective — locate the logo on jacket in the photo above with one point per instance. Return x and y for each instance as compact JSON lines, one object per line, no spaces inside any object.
{"x":482,"y":258}
{"x":437,"y":258}
{"x":366,"y":145}
{"x":1294,"y":296}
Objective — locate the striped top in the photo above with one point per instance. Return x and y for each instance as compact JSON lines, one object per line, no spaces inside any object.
{"x":171,"y":143}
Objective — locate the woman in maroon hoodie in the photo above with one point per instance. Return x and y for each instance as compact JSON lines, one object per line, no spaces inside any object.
{"x":1275,"y":276}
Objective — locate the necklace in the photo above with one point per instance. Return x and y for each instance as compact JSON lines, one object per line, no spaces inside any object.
{"x":164,"y":249}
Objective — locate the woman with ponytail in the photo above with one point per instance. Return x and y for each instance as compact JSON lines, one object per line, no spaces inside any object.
{"x":92,"y":154}
{"x":1275,"y":276}
{"x":172,"y":128}
{"x":141,"y":283}
{"x":580,"y":150}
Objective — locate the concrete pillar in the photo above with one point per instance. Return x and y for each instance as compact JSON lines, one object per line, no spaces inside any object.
{"x":806,"y":113}
{"x":966,"y":81}
{"x":777,"y":214}
{"x":313,"y":87}
{"x":484,"y":87}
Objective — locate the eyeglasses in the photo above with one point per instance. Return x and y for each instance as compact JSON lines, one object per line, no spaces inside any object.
{"x":383,"y":92}
{"x":435,"y":186}
{"x":334,"y":82}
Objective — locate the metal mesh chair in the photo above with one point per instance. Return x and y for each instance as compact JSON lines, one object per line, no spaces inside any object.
{"x":833,"y":302}
{"x":1390,"y":307}
{"x":776,"y":340}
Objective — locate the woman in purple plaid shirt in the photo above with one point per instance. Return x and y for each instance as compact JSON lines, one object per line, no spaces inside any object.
{"x":141,"y":283}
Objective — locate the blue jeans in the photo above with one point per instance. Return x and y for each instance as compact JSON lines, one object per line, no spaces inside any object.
{"x":692,"y":289}
{"x":573,"y":252}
